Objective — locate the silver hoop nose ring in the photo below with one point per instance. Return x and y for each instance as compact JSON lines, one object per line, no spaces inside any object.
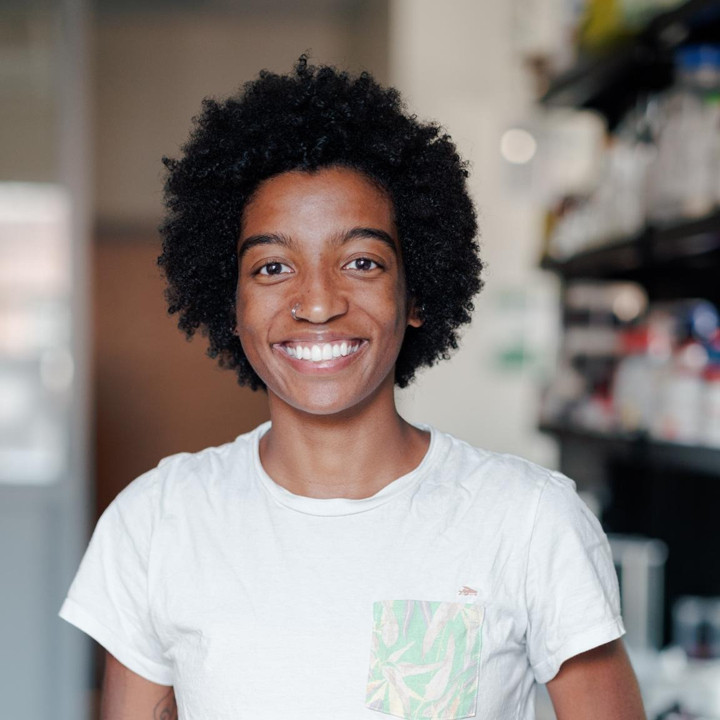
{"x":294,"y":310}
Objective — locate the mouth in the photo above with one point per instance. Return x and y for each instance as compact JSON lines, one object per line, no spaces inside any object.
{"x":317,"y":353}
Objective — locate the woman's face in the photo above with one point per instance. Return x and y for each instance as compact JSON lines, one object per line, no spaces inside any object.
{"x":324,"y":243}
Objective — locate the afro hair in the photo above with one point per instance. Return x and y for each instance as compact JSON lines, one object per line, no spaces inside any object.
{"x":312,"y":118}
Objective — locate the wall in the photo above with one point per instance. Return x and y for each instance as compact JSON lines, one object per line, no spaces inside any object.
{"x":456,"y":63}
{"x":152,"y":71}
{"x":29,"y":76}
{"x":156,"y":394}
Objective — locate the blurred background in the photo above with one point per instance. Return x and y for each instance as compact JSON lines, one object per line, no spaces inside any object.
{"x":593,"y":132}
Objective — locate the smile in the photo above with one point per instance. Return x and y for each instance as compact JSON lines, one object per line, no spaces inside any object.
{"x":320,"y":352}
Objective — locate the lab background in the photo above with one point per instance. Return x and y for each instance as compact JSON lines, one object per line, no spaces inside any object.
{"x":592,"y":128}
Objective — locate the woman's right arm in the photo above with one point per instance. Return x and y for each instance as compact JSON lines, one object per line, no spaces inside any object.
{"x":127,"y":696}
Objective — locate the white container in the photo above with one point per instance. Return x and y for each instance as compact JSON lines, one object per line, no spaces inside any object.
{"x":637,"y":376}
{"x":680,"y":405}
{"x":634,"y":393}
{"x":711,"y":407}
{"x":683,"y":179}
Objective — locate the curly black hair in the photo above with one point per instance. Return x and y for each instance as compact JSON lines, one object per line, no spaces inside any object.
{"x":312,"y":118}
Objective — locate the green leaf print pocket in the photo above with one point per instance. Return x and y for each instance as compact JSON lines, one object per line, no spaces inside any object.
{"x":425,"y":659}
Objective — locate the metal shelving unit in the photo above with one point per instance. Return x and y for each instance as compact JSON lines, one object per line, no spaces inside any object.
{"x":648,"y":487}
{"x":611,"y":82}
{"x":700,"y":459}
{"x":674,"y":260}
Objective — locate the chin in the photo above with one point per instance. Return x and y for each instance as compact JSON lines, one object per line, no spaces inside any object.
{"x":325,"y":401}
{"x":326,"y":407}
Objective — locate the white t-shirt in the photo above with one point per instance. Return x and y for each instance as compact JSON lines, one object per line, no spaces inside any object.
{"x":448,"y":594}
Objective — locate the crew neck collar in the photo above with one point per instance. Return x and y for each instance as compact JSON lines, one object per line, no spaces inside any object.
{"x":342,"y":506}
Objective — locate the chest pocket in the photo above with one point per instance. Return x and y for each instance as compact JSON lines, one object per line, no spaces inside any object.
{"x":425,"y":659}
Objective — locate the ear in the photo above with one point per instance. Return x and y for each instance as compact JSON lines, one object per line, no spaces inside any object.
{"x":414,"y":315}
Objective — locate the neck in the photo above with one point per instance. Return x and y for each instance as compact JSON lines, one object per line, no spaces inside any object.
{"x":353,"y":454}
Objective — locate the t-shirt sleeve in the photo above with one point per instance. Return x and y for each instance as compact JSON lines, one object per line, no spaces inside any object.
{"x":109,"y":598}
{"x":572,"y":587}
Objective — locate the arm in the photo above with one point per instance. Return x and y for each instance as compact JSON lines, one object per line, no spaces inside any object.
{"x":597,"y":685}
{"x":127,"y":696}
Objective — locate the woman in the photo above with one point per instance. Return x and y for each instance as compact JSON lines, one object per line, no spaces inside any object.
{"x":339,"y":562}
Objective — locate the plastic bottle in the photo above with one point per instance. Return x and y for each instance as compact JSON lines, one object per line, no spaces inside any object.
{"x":683,"y":181}
{"x":711,"y":406}
{"x":710,"y":434}
{"x":633,"y":389}
{"x":681,"y":386}
{"x":680,"y":397}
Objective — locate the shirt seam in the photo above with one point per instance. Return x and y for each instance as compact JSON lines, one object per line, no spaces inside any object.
{"x":421,"y":472}
{"x":122,"y":642}
{"x":156,"y":515}
{"x":529,"y":549}
{"x":551,"y":659}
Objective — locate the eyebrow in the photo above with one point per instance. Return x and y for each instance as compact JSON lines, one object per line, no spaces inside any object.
{"x":288,"y":242}
{"x":368,"y":232}
{"x":264,"y":239}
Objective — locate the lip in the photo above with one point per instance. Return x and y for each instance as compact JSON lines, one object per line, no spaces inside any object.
{"x":319,"y":338}
{"x":320,"y":366}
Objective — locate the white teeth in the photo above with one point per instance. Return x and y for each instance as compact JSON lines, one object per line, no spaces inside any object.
{"x":319,"y":353}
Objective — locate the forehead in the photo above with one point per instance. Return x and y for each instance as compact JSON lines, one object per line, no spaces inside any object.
{"x":330,"y":199}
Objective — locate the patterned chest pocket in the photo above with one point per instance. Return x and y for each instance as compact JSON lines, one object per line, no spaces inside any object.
{"x":425,"y":659}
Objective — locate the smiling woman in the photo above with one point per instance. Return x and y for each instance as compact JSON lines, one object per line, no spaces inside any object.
{"x":322,"y":307}
{"x":321,"y":118}
{"x":338,"y":562}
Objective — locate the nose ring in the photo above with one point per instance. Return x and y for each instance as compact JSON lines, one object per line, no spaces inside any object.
{"x":294,"y":310}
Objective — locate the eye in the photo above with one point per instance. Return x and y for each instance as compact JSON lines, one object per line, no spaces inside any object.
{"x":363,"y":264}
{"x":273,"y":268}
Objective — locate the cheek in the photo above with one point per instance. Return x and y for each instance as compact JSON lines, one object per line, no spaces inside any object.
{"x":401,"y":310}
{"x":247,"y":304}
{"x":247,"y":323}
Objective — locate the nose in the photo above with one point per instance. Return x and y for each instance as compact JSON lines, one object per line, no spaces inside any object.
{"x":320,"y":300}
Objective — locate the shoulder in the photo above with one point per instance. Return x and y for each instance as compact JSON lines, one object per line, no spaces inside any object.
{"x":491,"y":471}
{"x":493,"y":489}
{"x":182,"y":475}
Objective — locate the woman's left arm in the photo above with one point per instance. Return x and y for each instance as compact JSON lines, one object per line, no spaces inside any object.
{"x":597,"y":685}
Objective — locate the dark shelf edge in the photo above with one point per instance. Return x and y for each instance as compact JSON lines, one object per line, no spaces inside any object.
{"x":581,"y":84}
{"x":611,"y":260}
{"x":702,"y":458}
{"x":652,"y":247}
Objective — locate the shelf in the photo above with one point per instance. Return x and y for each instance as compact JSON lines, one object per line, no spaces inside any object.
{"x":610,"y":83}
{"x":621,"y":259}
{"x":670,"y":260}
{"x":694,"y":458}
